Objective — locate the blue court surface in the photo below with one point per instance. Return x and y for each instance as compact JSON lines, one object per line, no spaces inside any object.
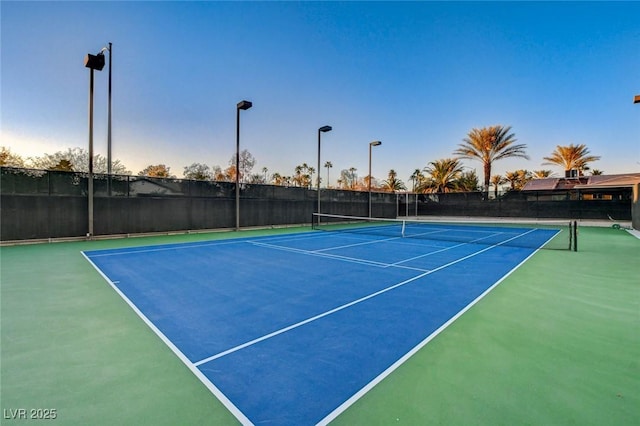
{"x":292,"y":329}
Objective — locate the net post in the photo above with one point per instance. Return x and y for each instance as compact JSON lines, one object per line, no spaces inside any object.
{"x":403,"y":227}
{"x":575,"y":235}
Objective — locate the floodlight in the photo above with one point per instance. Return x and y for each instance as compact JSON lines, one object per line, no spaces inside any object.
{"x":244,"y":105}
{"x":94,"y":62}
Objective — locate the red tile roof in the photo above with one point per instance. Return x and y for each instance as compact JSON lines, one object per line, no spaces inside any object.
{"x":584,"y":182}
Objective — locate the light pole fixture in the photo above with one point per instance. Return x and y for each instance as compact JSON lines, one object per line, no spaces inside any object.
{"x":321,"y":130}
{"x":242,"y":105}
{"x":371,"y":145}
{"x":93,"y":62}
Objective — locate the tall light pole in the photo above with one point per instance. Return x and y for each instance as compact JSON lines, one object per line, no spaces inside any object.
{"x":242,"y":105}
{"x":109,"y":161}
{"x":93,"y":62}
{"x":321,"y":130}
{"x":371,"y":145}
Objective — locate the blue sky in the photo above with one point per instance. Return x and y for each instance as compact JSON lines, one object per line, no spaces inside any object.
{"x":417,"y":76}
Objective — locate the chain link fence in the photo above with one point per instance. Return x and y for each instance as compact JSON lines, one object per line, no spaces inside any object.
{"x":41,"y":204}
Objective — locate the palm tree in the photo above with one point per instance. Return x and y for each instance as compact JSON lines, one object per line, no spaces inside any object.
{"x":467,"y":181}
{"x":496,"y":181}
{"x":328,"y":165}
{"x":596,"y":172}
{"x":298,"y":177}
{"x":310,"y":171}
{"x":352,"y":172}
{"x":542,"y":174}
{"x":277,"y":179}
{"x":442,"y":175}
{"x":572,"y":157}
{"x":518,"y":179}
{"x":393,"y":184}
{"x":304,"y":175}
{"x":416,"y":178}
{"x":488,"y":145}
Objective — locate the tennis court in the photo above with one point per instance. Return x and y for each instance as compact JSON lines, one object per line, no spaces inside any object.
{"x":555,"y":343}
{"x":293,"y":329}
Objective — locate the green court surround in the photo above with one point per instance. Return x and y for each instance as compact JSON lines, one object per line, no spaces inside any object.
{"x":557,"y":342}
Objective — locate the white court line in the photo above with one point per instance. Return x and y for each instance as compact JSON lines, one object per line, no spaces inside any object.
{"x":178,"y":246}
{"x":363,"y":243}
{"x":466,"y":228}
{"x":362,"y":261}
{"x":317,"y":254}
{"x":340,"y":409}
{"x":308,"y":235}
{"x":444,"y":249}
{"x":306,"y":321}
{"x":334,"y":256}
{"x":212,"y":388}
{"x":346,"y":235}
{"x":193,"y":367}
{"x":427,"y":254}
{"x":447,"y":230}
{"x":187,"y":245}
{"x":346,"y":305}
{"x":369,"y":262}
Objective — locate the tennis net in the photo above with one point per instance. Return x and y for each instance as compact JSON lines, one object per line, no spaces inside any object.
{"x":553,"y":234}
